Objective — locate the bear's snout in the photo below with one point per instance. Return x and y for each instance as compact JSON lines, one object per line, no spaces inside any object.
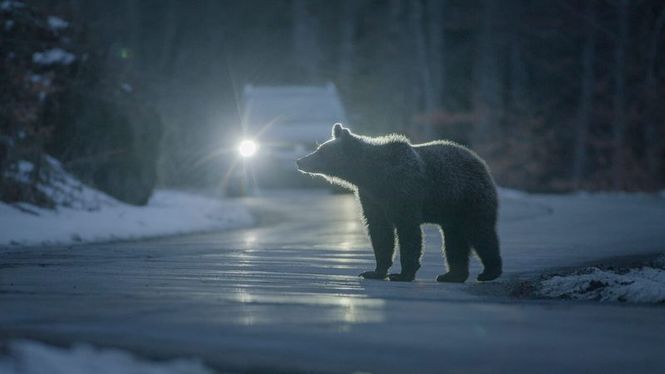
{"x":307,"y":164}
{"x":300,"y":163}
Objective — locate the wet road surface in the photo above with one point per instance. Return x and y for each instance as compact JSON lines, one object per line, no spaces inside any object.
{"x":285,"y":295}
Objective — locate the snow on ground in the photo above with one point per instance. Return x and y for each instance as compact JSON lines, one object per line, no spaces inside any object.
{"x":63,"y":188}
{"x":167,"y":213}
{"x":57,"y":23}
{"x":7,"y":5}
{"x":84,"y":214}
{"x":53,"y":56}
{"x":28,"y":357}
{"x":644,"y":284}
{"x":511,"y":193}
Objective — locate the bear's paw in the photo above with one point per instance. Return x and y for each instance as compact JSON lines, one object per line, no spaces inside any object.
{"x":402,"y":277}
{"x":373,"y":275}
{"x":489,"y":275}
{"x":452,"y":277}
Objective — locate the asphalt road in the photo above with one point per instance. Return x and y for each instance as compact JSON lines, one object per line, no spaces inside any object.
{"x":286,"y":296}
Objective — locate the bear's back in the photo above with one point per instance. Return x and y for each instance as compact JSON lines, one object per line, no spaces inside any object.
{"x":455,"y":173}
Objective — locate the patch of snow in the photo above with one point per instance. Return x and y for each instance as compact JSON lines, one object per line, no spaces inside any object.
{"x":511,"y":193}
{"x":53,"y":56}
{"x":63,"y":188}
{"x":615,"y":194}
{"x":29,"y":357}
{"x":9,"y":4}
{"x":25,"y":167}
{"x":67,"y":191}
{"x":641,"y":285}
{"x":85,"y":214}
{"x":40,"y":79}
{"x":57,"y":23}
{"x":167,"y":213}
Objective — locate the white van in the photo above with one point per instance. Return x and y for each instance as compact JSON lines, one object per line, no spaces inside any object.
{"x":279,"y":125}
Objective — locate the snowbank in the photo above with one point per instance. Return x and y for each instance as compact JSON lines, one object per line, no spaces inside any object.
{"x":510,"y":193}
{"x":27,"y":357}
{"x":640,"y":285}
{"x":84,"y":214}
{"x":63,"y":188}
{"x":167,"y":213}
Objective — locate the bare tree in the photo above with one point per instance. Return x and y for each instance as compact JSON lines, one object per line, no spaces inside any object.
{"x":348,"y":25}
{"x":653,"y":120}
{"x":421,"y":64}
{"x":398,"y":69}
{"x":306,"y":53}
{"x":487,"y":100}
{"x":586,"y":97}
{"x":168,"y":38}
{"x":435,"y":11}
{"x":619,"y":99}
{"x":133,"y":32}
{"x":518,"y":68}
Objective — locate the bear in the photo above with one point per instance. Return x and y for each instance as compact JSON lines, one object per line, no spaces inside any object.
{"x":401,"y":186}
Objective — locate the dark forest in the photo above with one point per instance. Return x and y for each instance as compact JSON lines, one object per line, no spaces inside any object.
{"x":556,"y":96}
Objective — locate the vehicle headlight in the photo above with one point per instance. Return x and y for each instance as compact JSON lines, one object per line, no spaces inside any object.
{"x":247,"y":148}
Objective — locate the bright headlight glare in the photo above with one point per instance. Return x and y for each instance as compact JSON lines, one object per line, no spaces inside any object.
{"x":247,"y":148}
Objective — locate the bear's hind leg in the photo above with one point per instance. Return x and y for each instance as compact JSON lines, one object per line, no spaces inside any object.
{"x":486,"y":244}
{"x":457,"y":250}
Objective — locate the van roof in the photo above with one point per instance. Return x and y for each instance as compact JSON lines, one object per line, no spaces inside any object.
{"x":292,"y":113}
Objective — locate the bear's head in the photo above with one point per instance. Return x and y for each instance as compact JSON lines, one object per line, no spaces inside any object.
{"x":335,"y":159}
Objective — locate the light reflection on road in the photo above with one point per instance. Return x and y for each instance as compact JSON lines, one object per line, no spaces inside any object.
{"x":330,"y":308}
{"x":303,"y":267}
{"x":286,"y":293}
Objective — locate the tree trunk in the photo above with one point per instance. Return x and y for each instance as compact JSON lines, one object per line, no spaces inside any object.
{"x":398,"y":68}
{"x":619,"y":122}
{"x":653,"y":119}
{"x":168,"y":37}
{"x":435,"y":10}
{"x":133,"y":32}
{"x":216,"y":57}
{"x":586,"y":98}
{"x":424,"y":86}
{"x":518,"y":95}
{"x":305,"y":48}
{"x":487,"y":95}
{"x":346,"y":51}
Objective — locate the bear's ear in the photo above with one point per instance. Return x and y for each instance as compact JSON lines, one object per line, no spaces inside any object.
{"x":339,"y":130}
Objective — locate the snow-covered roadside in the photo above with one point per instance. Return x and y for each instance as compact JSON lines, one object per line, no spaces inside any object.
{"x":167,"y":213}
{"x":28,"y":357}
{"x":511,"y":193}
{"x":643,"y":284}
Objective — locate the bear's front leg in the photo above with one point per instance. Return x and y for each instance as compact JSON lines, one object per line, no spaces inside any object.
{"x":382,"y":236}
{"x":410,"y":237}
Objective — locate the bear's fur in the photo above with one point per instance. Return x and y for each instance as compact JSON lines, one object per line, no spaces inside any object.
{"x":401,"y":186}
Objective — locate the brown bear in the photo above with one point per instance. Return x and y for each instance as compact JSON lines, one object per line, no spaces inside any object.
{"x":402,"y":185}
